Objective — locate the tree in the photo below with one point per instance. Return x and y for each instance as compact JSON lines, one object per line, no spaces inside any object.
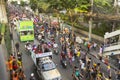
{"x":22,"y":3}
{"x":34,"y":4}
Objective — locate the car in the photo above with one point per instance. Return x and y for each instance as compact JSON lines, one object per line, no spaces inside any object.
{"x":47,"y":69}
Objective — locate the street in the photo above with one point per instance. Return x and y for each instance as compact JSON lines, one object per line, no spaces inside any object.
{"x":29,"y":66}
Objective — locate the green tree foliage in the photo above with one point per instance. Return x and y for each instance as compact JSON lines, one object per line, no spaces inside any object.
{"x":14,"y":2}
{"x":34,"y":4}
{"x":103,"y":6}
{"x":22,"y":3}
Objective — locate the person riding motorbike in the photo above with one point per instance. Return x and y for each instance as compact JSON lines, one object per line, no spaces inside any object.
{"x":62,"y":56}
{"x":55,"y":46}
{"x":28,"y":47}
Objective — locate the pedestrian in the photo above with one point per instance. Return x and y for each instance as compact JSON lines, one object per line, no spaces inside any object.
{"x":100,"y":53}
{"x":78,"y":55}
{"x":15,"y":65}
{"x":11,"y":36}
{"x":93,"y":73}
{"x":10,"y":67}
{"x":21,"y":75}
{"x":15,"y":76}
{"x":109,"y":71}
{"x":88,"y":47}
{"x":17,"y":47}
{"x":94,"y":46}
{"x":0,"y":38}
{"x":117,"y":75}
{"x":82,"y":66}
{"x":87,"y":73}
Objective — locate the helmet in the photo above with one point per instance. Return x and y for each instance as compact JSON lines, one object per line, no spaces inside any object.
{"x":32,"y":74}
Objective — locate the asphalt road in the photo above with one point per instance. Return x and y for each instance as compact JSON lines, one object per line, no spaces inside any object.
{"x":29,"y":67}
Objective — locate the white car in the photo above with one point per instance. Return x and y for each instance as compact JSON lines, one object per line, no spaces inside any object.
{"x":47,"y":69}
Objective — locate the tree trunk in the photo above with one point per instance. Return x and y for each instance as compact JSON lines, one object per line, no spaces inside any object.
{"x":113,"y":26}
{"x":90,"y":28}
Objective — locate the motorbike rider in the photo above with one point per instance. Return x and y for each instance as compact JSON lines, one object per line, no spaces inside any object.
{"x":55,"y":46}
{"x":62,"y":56}
{"x":28,"y":45}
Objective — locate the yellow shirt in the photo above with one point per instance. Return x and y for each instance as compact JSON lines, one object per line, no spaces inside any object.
{"x":78,"y":54}
{"x":19,"y":63}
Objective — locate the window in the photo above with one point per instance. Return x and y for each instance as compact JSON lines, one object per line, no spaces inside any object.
{"x":26,"y":33}
{"x":48,"y":66}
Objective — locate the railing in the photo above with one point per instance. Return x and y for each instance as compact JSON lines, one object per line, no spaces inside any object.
{"x":112,"y":44}
{"x":112,"y":48}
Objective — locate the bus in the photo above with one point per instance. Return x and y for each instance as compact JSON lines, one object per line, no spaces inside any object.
{"x":112,"y":43}
{"x":25,"y":30}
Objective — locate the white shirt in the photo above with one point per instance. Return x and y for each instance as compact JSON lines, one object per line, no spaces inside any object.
{"x":39,"y":37}
{"x":55,"y":45}
{"x":100,"y":51}
{"x":82,"y":65}
{"x":95,"y":44}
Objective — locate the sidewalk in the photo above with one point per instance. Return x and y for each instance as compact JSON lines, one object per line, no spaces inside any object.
{"x":4,"y":74}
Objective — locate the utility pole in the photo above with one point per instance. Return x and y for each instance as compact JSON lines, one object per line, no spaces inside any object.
{"x":90,"y":21}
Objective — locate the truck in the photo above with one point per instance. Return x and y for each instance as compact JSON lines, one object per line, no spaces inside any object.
{"x":45,"y":67}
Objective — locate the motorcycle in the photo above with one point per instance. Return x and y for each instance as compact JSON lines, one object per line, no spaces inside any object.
{"x":55,"y":48}
{"x":28,"y":48}
{"x":64,"y":63}
{"x":56,"y":51}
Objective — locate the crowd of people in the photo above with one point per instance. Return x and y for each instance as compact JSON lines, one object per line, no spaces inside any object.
{"x":15,"y":67}
{"x":72,"y":52}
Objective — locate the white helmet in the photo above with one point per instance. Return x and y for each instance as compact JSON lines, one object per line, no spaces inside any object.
{"x":32,"y":74}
